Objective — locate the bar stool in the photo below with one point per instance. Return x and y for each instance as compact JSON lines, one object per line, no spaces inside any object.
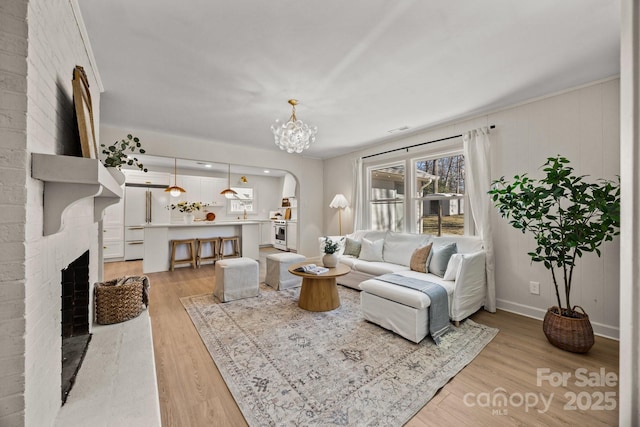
{"x":213,"y":242}
{"x":235,"y":246}
{"x":191,"y":245}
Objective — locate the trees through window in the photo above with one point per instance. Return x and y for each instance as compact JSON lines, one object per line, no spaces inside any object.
{"x":436,"y":185}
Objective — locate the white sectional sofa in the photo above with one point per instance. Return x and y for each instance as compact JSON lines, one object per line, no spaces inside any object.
{"x":404,"y":310}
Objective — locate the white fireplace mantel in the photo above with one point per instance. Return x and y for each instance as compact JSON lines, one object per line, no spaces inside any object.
{"x":69,"y":179}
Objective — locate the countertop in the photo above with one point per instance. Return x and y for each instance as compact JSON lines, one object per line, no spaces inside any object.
{"x":204,"y":223}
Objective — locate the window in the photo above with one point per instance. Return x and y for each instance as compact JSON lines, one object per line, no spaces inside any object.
{"x":439,"y":200}
{"x":243,"y":201}
{"x":386,"y":198}
{"x":422,"y":194}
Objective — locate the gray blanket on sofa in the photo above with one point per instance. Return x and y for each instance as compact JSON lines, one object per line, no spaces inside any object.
{"x":439,"y":308}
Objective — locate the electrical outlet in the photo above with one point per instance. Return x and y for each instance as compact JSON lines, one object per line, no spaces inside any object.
{"x":534,"y":288}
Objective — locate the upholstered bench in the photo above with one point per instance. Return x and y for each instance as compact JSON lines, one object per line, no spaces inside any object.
{"x":399,"y":309}
{"x":278,"y":276}
{"x":236,"y":278}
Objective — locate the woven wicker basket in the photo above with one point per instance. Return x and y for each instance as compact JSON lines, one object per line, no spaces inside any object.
{"x":119,"y":299}
{"x":573,"y":334}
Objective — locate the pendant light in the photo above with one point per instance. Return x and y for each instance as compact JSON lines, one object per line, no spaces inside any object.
{"x":174,"y":190}
{"x":228,"y":192}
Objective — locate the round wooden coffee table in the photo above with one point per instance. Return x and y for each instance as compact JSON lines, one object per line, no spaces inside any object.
{"x":319,"y":292}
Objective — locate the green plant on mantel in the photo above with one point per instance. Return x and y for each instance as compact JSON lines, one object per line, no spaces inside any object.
{"x":119,"y":153}
{"x":566,"y":215}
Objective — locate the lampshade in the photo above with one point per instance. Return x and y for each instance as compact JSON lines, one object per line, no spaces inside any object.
{"x":228,"y":192}
{"x":294,"y":136}
{"x":339,"y":202}
{"x":174,"y":190}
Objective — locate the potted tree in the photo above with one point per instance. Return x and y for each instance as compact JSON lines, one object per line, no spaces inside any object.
{"x":568,"y":217}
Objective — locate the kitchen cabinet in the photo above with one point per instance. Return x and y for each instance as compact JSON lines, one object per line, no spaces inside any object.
{"x":113,"y":232}
{"x":201,"y":189}
{"x":146,"y":205}
{"x":210,"y":189}
{"x":142,"y":205}
{"x":192,"y":186}
{"x":147,"y":178}
{"x":292,"y":236}
{"x":266,"y":231}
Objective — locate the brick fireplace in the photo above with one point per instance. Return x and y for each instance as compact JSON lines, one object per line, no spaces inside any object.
{"x":75,"y":320}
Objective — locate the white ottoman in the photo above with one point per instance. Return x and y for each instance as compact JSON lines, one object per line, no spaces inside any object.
{"x":236,"y":278}
{"x":278,"y":276}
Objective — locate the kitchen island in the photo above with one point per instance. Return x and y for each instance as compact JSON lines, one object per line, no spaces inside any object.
{"x":157,"y":238}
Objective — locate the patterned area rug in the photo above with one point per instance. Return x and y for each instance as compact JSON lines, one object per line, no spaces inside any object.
{"x":288,"y":366}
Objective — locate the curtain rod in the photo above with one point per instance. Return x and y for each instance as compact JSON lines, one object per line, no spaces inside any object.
{"x":418,"y":145}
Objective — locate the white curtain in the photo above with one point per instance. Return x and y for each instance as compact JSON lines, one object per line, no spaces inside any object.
{"x":478,"y":181}
{"x":358,"y":209}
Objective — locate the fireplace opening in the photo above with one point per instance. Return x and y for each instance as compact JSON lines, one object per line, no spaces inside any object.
{"x":75,"y":320}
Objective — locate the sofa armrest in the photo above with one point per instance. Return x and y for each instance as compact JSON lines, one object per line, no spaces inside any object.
{"x":470,"y":285}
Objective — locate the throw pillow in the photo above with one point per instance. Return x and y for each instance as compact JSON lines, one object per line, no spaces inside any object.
{"x":453,"y":267}
{"x":440,"y":258}
{"x":352,"y":247}
{"x":371,"y":251}
{"x":419,"y":258}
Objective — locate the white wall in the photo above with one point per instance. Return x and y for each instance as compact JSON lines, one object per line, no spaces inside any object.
{"x":40,"y":44}
{"x":583,"y":125}
{"x":308,"y":171}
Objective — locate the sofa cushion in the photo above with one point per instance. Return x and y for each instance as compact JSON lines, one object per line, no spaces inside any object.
{"x":398,"y":247}
{"x":352,"y":247}
{"x":374,"y":235}
{"x":406,"y":296}
{"x":378,"y":268}
{"x":358,"y":234}
{"x":371,"y":250}
{"x":419,"y":258}
{"x":453,"y":267}
{"x":464,"y":244}
{"x":440,"y":258}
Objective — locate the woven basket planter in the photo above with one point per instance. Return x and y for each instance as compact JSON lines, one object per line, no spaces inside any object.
{"x":573,"y":334}
{"x":119,"y":299}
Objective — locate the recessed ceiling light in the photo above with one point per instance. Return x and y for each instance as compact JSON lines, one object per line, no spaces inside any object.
{"x":267,"y":171}
{"x":207,"y":165}
{"x":400,"y":129}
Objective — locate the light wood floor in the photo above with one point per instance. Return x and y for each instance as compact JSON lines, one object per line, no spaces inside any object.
{"x":192,"y":392}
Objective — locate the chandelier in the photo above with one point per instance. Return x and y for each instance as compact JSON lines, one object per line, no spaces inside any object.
{"x":293,"y":136}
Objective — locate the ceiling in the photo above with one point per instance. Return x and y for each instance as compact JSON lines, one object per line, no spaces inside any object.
{"x":157,"y":163}
{"x":223,"y":70}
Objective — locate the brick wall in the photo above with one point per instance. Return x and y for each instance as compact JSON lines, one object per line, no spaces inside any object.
{"x":40,"y":44}
{"x":13,"y":165}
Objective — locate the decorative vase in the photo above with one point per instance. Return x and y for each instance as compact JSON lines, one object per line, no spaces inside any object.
{"x":188,"y":218}
{"x":573,"y":334}
{"x":330,"y":260}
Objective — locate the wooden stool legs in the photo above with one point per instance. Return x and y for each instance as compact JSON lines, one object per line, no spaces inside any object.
{"x":214,"y":241}
{"x":235,"y":247}
{"x":191,"y":245}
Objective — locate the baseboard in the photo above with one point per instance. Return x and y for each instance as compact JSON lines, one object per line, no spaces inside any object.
{"x":602,"y":330}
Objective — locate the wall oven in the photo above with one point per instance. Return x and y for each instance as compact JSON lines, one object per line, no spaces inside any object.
{"x":280,"y":234}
